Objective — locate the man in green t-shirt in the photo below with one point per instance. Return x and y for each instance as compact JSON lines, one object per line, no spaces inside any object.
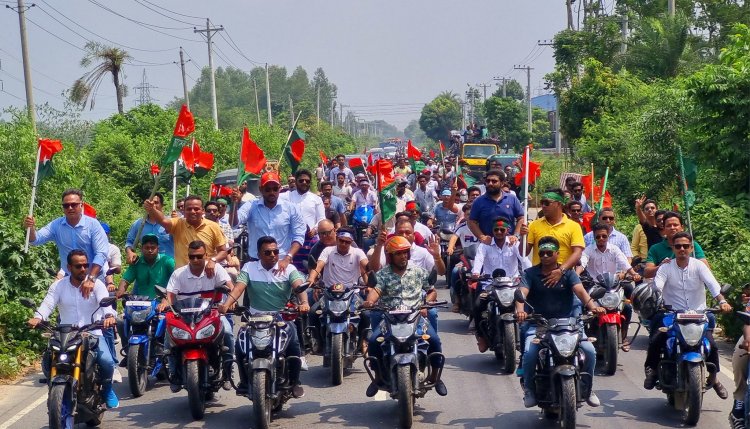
{"x":662,"y":252}
{"x":151,"y":269}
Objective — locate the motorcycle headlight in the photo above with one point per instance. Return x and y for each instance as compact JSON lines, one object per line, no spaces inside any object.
{"x":71,"y":348}
{"x":63,"y":357}
{"x":338,"y":306}
{"x":610,"y":300}
{"x":692,"y":333}
{"x":139,"y":316}
{"x":56,"y":348}
{"x":206,"y":332}
{"x":402,"y":331}
{"x":261,"y":338}
{"x":565,"y":343}
{"x":505,"y":296}
{"x":180,"y":334}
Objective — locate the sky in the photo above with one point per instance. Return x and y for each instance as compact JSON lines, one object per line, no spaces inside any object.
{"x":387,"y":57}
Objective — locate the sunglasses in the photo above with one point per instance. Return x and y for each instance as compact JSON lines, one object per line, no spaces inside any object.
{"x":503,"y":230}
{"x":577,"y":190}
{"x":324,"y":233}
{"x":546,"y":253}
{"x":180,"y":207}
{"x":67,"y":206}
{"x":546,"y":203}
{"x":601,"y":237}
{"x":79,"y":266}
{"x":575,"y":210}
{"x":276,"y":189}
{"x":221,"y":206}
{"x":304,"y":180}
{"x":681,"y":246}
{"x":608,"y":218}
{"x":196,"y":257}
{"x":491,"y":181}
{"x":271,"y":252}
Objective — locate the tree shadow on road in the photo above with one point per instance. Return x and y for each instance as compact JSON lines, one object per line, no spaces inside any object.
{"x":379,"y":414}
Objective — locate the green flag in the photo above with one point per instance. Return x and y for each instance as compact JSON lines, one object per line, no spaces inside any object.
{"x":689,"y":174}
{"x":47,"y":149}
{"x":294,"y":149}
{"x":386,"y":189}
{"x":183,"y":128}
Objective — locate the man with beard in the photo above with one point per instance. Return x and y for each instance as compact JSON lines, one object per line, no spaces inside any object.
{"x":341,"y":168}
{"x":337,"y":204}
{"x":494,"y":204}
{"x":312,"y":211}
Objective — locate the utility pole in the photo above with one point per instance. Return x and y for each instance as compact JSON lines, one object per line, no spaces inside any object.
{"x":291,"y":109}
{"x":624,"y":31}
{"x":184,"y":80}
{"x":208,"y":34}
{"x":503,"y":80}
{"x":528,"y":92}
{"x":318,"y":106}
{"x":341,"y":113}
{"x":670,"y":7}
{"x":21,"y":10}
{"x":257,"y":107}
{"x":333,"y":110}
{"x":268,"y":97}
{"x":484,"y":87}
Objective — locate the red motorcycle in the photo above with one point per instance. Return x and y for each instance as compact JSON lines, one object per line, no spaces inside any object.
{"x":609,"y":292}
{"x":195,"y":329}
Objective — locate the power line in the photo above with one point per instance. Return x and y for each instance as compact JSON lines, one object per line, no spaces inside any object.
{"x":166,"y":16}
{"x":55,"y":35}
{"x":145,"y":25}
{"x":176,"y":13}
{"x":236,"y":47}
{"x":18,"y":60}
{"x":12,"y":95}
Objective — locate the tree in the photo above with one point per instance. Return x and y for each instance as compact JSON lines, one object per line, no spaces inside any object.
{"x":414,"y":133}
{"x":659,"y":47}
{"x":513,"y":90}
{"x":440,"y":116}
{"x":109,"y":61}
{"x":507,"y":118}
{"x":541,"y":133}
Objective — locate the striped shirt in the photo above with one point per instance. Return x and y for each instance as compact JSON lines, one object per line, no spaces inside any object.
{"x":267,"y":291}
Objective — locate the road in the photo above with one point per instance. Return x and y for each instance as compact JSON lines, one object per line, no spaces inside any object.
{"x":479,"y":396}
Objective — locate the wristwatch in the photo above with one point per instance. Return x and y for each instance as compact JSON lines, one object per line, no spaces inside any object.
{"x":213,"y":260}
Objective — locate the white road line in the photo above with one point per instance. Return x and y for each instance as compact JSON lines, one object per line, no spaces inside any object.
{"x":23,"y":412}
{"x":380,"y":396}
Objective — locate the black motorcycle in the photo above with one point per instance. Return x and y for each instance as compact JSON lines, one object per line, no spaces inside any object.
{"x":499,"y":320}
{"x":75,"y":390}
{"x":561,"y":385}
{"x":405,"y":367}
{"x":465,"y":288}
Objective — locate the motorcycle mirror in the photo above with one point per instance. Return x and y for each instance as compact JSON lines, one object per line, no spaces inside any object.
{"x":26,"y":302}
{"x":518,"y":296}
{"x":160,"y":291}
{"x":106,"y":302}
{"x":110,"y":271}
{"x":51,"y":272}
{"x":301,"y":288}
{"x":371,"y":280}
{"x":432,"y":278}
{"x":222,"y":288}
{"x":597,"y":292}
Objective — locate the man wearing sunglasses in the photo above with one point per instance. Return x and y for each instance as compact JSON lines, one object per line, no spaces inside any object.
{"x":74,"y":231}
{"x":616,"y":238}
{"x":493,"y":204}
{"x":551,"y":302}
{"x":683,"y":282}
{"x":274,"y":217}
{"x":267,"y":287}
{"x":663,"y":252}
{"x":312,"y":211}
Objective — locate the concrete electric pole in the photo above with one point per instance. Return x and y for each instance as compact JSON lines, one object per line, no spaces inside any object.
{"x":209,"y":32}
{"x":21,"y":10}
{"x":184,"y":80}
{"x":528,"y":92}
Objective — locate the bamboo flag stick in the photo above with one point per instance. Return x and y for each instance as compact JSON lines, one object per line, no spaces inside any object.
{"x":33,"y":197}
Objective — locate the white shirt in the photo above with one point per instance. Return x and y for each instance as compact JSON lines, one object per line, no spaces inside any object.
{"x":596,"y":262}
{"x":248,"y":197}
{"x":309,"y":205}
{"x":491,"y":257}
{"x":684,"y":288}
{"x":371,"y":199}
{"x":616,"y":238}
{"x":335,"y":172}
{"x":344,"y":192}
{"x":465,"y":236}
{"x":185,"y":284}
{"x":419,"y":257}
{"x":419,"y":227}
{"x":72,"y":307}
{"x":343,"y":269}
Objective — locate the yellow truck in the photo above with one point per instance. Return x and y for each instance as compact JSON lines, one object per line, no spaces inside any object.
{"x":474,"y":157}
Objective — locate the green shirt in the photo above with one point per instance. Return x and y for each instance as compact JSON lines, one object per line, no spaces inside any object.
{"x":266,"y":290}
{"x":662,"y":250}
{"x":147,"y":276}
{"x":402,"y":290}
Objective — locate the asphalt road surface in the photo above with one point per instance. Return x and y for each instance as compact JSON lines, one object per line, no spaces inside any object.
{"x":479,"y":396}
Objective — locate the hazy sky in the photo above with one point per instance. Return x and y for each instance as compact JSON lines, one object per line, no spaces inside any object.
{"x":387,"y":57}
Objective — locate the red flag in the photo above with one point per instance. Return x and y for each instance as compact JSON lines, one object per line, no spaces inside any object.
{"x":356,"y":165}
{"x":323,"y":157}
{"x":442,"y":146}
{"x":586,"y":221}
{"x":432,"y":153}
{"x":535,"y":170}
{"x":412,"y":152}
{"x":386,"y":176}
{"x":154,"y":169}
{"x":220,"y":191}
{"x":251,"y":156}
{"x":195,"y":159}
{"x":185,"y":123}
{"x":89,"y":210}
{"x":48,"y":148}
{"x":587,"y":182}
{"x":371,"y":165}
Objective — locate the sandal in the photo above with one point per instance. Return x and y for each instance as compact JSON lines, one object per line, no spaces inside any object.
{"x":625,"y":346}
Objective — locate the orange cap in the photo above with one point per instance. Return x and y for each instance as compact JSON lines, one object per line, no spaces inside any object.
{"x":269,"y":177}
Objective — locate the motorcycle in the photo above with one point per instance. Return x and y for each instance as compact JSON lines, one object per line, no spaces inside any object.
{"x":465,"y":287}
{"x":607,"y":327}
{"x":145,"y":352}
{"x":445,"y":233}
{"x":361,"y":218}
{"x":263,"y":339}
{"x":499,"y":320}
{"x":683,"y":366}
{"x":339,"y":327}
{"x":745,"y":317}
{"x":561,"y":386}
{"x":405,"y":368}
{"x":195,"y":328}
{"x":74,"y":386}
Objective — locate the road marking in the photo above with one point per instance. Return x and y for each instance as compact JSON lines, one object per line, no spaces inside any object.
{"x":382,"y":395}
{"x":23,"y":412}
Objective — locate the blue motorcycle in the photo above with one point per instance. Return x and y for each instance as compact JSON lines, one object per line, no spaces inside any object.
{"x":683,"y":366}
{"x":145,"y":328}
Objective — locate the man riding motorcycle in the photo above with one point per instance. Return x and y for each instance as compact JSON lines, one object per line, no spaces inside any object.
{"x":402,"y":284}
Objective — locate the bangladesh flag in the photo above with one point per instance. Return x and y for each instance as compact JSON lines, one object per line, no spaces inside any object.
{"x":464,"y":181}
{"x":386,"y":189}
{"x":183,"y":128}
{"x":252,"y":158}
{"x":356,"y":165}
{"x":294,"y":149}
{"x":47,"y":149}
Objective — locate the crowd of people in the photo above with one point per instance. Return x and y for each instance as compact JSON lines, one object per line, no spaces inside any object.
{"x":295,"y":233}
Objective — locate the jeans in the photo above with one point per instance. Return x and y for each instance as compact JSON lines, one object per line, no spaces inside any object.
{"x":106,"y":363}
{"x":454,"y":280}
{"x":109,"y":342}
{"x":292,"y":349}
{"x":658,"y":341}
{"x":531,"y":354}
{"x":375,"y":348}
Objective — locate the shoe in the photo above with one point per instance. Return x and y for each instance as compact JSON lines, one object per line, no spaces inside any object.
{"x":593,"y":400}
{"x":298,"y":391}
{"x":226,"y":385}
{"x":482,"y":344}
{"x":372,"y":390}
{"x":116,"y":376}
{"x":110,"y":398}
{"x":650,"y":380}
{"x":529,"y":400}
{"x":736,"y":422}
{"x":720,"y":390}
{"x":440,"y":388}
{"x":242,"y":389}
{"x":304,"y":364}
{"x":456,"y":308}
{"x":123,"y":362}
{"x":175,"y":387}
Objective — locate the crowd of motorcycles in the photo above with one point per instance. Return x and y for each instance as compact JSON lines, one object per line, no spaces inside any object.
{"x":333,"y":328}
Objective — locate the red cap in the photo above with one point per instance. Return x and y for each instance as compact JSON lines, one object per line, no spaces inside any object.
{"x":269,"y":177}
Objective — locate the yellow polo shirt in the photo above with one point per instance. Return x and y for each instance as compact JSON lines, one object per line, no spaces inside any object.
{"x":568,"y":232}
{"x":183,"y":234}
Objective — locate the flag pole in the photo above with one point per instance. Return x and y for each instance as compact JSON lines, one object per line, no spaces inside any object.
{"x":174,"y":186}
{"x":33,"y":196}
{"x":593,"y":202}
{"x":527,"y":153}
{"x":604,"y":188}
{"x":283,"y":149}
{"x":684,"y":194}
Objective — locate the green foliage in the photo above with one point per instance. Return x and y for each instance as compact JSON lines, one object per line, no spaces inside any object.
{"x":513,"y":90}
{"x":440,"y":116}
{"x":507,"y":118}
{"x":659,"y":47}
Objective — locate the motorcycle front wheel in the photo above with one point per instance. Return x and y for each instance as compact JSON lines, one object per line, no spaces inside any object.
{"x":196,"y":395}
{"x":694,"y":394}
{"x":567,"y":403}
{"x":137,"y":374}
{"x":60,"y":407}
{"x":405,"y":397}
{"x":261,"y":401}
{"x":337,"y":359}
{"x":611,"y":343}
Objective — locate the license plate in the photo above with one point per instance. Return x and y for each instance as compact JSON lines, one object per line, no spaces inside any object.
{"x":191,"y":310}
{"x":260,"y":319}
{"x":138,"y":304}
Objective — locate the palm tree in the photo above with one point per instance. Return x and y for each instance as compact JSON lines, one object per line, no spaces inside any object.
{"x":659,"y":48}
{"x":109,"y":60}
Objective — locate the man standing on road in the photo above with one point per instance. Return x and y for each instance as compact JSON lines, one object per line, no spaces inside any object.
{"x":342,"y":188}
{"x":151,"y":226}
{"x":73,"y":231}
{"x":425,"y":196}
{"x":268,"y":287}
{"x":274,"y":217}
{"x":493,"y":204}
